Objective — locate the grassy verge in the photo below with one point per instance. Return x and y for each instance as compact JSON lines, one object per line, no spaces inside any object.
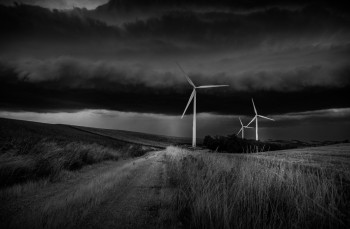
{"x":244,"y":192}
{"x":48,"y":159}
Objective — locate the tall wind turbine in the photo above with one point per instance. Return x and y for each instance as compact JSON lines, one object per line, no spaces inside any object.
{"x":256,"y":121}
{"x":242,"y":128}
{"x":194,"y":96}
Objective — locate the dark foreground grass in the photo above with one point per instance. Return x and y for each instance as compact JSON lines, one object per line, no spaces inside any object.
{"x":245,"y":192}
{"x":63,"y":204}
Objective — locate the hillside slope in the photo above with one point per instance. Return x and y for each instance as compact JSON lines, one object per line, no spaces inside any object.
{"x":137,"y":137}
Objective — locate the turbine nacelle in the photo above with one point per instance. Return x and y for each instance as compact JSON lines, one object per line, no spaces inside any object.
{"x":194,"y":88}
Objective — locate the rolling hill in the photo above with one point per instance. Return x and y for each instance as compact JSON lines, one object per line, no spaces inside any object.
{"x":11,"y":127}
{"x":161,"y":141}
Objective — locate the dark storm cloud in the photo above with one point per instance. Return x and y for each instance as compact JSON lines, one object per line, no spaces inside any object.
{"x":207,"y":29}
{"x":200,"y":36}
{"x":79,"y":73}
{"x":295,"y":79}
{"x":71,"y":84}
{"x":24,"y":22}
{"x":242,"y":29}
{"x":58,"y":4}
{"x":289,"y":59}
{"x":245,"y":4}
{"x":152,"y":4}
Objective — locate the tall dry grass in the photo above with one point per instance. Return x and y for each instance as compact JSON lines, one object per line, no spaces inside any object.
{"x":47,"y":159}
{"x":243,"y":192}
{"x":32,"y":151}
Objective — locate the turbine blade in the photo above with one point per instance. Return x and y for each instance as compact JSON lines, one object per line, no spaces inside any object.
{"x":239,"y":131}
{"x":251,"y":121}
{"x":266,"y":117}
{"x":188,"y":78}
{"x":254,"y":107}
{"x":240,"y":120}
{"x":210,"y":86}
{"x":188,"y":103}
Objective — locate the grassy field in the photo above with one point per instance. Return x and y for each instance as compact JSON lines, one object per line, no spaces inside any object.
{"x":304,"y":188}
{"x":52,"y":176}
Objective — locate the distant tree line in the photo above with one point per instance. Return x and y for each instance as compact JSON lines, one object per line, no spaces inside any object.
{"x":234,"y":144}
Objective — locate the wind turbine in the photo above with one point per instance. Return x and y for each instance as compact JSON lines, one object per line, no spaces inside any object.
{"x":256,"y":121}
{"x":194,"y":96}
{"x":242,"y":128}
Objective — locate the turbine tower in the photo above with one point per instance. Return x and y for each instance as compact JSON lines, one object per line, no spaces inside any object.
{"x":194,"y":97}
{"x":256,"y":121}
{"x":242,"y":128}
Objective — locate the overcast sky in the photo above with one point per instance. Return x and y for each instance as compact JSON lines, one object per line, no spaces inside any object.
{"x":113,"y":65}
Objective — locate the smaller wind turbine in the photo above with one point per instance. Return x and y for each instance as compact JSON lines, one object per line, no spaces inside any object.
{"x":256,"y":121}
{"x":242,"y":128}
{"x":194,"y":98}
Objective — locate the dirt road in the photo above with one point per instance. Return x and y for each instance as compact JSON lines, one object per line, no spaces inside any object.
{"x":124,"y":194}
{"x":137,"y":201}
